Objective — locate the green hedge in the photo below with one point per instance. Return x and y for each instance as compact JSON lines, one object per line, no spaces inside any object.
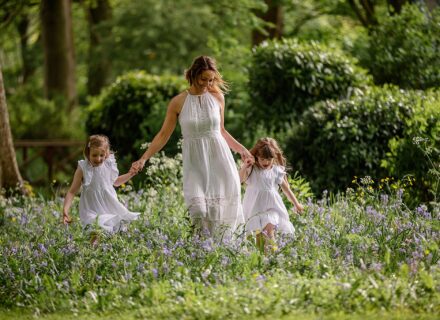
{"x":286,"y":77}
{"x":405,"y":49}
{"x":369,"y":135}
{"x":131,"y":111}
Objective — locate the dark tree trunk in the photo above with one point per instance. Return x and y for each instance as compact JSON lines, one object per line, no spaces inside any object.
{"x":9,"y":174}
{"x":59,"y":62}
{"x":274,"y":16}
{"x":365,"y":12}
{"x":98,"y":13}
{"x":29,"y":66}
{"x":395,"y":6}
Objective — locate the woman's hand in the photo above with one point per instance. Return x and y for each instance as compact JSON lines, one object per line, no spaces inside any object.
{"x":138,"y":165}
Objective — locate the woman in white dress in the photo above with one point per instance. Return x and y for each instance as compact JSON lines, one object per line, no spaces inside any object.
{"x":263,"y":207}
{"x":211,"y":184}
{"x":97,"y":174}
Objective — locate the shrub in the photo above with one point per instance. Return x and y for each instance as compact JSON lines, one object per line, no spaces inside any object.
{"x":404,"y":49}
{"x":367,"y":135}
{"x":131,"y":111}
{"x":417,"y":152}
{"x":287,"y":77}
{"x":34,"y":117}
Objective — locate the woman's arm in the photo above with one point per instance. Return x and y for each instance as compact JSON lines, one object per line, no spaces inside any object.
{"x":230,"y":140}
{"x":289,"y":194}
{"x":164,"y":134}
{"x":74,"y":188}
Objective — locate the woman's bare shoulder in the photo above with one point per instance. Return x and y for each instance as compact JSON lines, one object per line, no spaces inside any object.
{"x":219,"y":96}
{"x":177,"y":101}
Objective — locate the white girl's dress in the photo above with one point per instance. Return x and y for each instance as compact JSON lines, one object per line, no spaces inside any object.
{"x":262,"y":204}
{"x":99,"y":202}
{"x":211,"y":184}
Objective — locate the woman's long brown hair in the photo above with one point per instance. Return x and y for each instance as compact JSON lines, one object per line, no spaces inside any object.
{"x":204,"y":63}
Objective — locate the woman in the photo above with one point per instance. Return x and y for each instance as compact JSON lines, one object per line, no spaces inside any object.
{"x":211,"y":184}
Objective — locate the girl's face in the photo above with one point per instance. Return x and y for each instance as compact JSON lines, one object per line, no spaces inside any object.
{"x":206,"y":79}
{"x":97,"y":156}
{"x":265,"y":163}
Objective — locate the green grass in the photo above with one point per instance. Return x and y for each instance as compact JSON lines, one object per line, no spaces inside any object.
{"x":138,"y":314}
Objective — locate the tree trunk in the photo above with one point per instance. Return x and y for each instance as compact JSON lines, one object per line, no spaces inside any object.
{"x":365,"y":12}
{"x":98,"y":13}
{"x":59,"y":62}
{"x":9,"y":174}
{"x":29,"y":66}
{"x":274,"y":16}
{"x":396,"y":6}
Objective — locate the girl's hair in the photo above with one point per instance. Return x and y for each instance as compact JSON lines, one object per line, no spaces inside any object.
{"x":267,"y":148}
{"x":204,"y":63}
{"x":97,"y":141}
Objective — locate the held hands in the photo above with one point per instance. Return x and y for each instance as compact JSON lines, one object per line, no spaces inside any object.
{"x":132,"y":172}
{"x":247,"y":158}
{"x":138,"y":165}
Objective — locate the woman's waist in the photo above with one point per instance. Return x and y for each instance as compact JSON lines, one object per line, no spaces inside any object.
{"x":202,"y":135}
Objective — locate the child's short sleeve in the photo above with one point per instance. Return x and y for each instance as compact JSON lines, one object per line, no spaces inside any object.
{"x":111,"y":164}
{"x":87,"y":173}
{"x":280,"y":173}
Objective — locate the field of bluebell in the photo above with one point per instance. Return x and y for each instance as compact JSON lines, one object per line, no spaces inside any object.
{"x":354,"y":253}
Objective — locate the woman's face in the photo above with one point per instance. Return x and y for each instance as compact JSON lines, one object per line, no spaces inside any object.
{"x":97,"y":156}
{"x":206,"y":79}
{"x":265,"y":163}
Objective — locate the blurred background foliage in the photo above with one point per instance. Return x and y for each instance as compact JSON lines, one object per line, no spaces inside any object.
{"x":339,"y":83}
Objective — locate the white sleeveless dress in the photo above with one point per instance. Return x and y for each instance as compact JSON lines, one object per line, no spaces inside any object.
{"x":211,"y":184}
{"x":262,"y":203}
{"x":99,"y":202}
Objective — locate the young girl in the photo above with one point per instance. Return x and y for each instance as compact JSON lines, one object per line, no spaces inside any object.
{"x":98,"y":173}
{"x":263,"y":207}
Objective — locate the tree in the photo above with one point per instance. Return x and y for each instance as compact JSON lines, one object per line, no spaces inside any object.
{"x":273,"y":18}
{"x":9,"y":174}
{"x":19,"y":14}
{"x":59,"y":62}
{"x":366,"y":10}
{"x":99,"y":13}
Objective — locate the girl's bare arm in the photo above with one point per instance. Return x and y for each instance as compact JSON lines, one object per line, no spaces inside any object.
{"x":73,"y":190}
{"x":289,"y":194}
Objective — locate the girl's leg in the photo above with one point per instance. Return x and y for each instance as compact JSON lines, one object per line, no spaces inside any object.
{"x":266,"y":239}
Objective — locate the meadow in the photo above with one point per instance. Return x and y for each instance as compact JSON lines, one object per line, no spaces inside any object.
{"x":357,"y":255}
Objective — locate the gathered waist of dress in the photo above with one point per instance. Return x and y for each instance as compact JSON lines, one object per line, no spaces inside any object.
{"x":262,"y":188}
{"x":202,"y":135}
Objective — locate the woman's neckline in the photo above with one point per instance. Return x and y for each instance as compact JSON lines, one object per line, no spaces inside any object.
{"x":196,"y":95}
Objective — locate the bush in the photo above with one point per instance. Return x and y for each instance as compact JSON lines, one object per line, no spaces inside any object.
{"x":287,"y":77}
{"x":404,"y":49}
{"x":131,"y":111}
{"x":34,"y":117}
{"x":367,"y":135}
{"x":417,"y":152}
